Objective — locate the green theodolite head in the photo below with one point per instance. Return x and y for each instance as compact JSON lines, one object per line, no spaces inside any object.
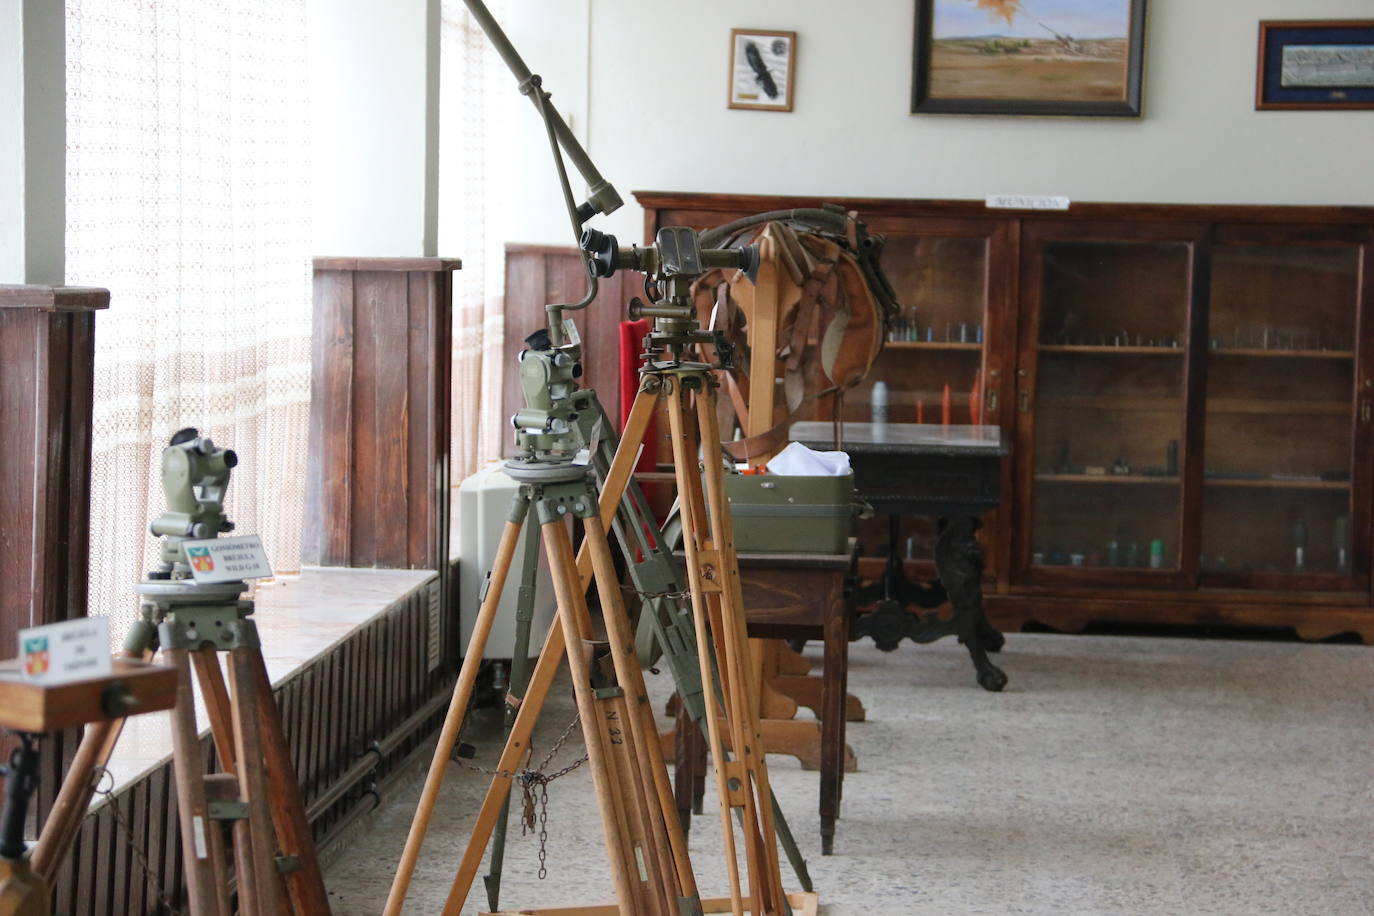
{"x":195,"y":474}
{"x":544,"y":427}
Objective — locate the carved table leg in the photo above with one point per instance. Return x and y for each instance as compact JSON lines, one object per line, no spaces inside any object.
{"x":959,"y":562}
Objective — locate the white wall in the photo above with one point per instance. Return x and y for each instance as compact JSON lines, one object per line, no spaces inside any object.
{"x":11,"y":142}
{"x":659,"y":121}
{"x":551,"y":37}
{"x":33,"y":141}
{"x":370,"y":130}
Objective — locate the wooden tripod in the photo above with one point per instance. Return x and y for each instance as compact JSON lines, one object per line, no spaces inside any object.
{"x":275,"y":865}
{"x":32,"y":709}
{"x":742,"y":778}
{"x":257,"y":788}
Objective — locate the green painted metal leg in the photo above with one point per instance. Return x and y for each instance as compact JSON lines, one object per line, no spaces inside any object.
{"x":519,"y":682}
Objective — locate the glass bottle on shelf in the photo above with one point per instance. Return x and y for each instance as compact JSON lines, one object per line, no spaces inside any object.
{"x":1109,"y":402}
{"x":1279,"y":416}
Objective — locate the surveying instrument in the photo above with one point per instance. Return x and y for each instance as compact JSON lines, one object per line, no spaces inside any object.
{"x":275,"y":865}
{"x":565,"y":458}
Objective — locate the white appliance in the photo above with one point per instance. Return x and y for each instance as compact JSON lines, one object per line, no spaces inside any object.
{"x":484,"y":503}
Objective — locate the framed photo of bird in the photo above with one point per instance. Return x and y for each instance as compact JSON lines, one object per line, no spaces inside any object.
{"x":1029,"y":57}
{"x":762,"y":65}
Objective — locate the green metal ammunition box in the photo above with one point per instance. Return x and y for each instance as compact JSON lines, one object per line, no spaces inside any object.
{"x":777,"y":514}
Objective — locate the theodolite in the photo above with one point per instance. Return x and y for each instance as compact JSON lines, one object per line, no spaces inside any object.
{"x":195,"y":474}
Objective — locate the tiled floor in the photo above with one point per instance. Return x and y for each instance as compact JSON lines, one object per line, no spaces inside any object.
{"x":1114,"y":776}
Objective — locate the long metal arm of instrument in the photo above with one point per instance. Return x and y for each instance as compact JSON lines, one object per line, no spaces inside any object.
{"x":602,"y":197}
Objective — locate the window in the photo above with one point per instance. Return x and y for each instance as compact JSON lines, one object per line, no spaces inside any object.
{"x":188,"y":197}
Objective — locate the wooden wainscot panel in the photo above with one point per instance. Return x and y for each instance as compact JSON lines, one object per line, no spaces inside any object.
{"x":377,"y":475}
{"x":47,"y":354}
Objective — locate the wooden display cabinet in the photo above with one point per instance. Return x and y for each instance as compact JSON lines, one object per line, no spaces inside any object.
{"x":1189,"y":388}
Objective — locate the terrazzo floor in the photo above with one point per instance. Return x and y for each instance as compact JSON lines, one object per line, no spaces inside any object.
{"x":1115,"y":775}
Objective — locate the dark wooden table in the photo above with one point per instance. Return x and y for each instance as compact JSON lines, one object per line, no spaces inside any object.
{"x":949,"y":472}
{"x":792,"y":596}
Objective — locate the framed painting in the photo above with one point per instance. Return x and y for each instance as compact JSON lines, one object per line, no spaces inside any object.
{"x":1029,"y":57}
{"x":1315,"y":65}
{"x":762,"y":64}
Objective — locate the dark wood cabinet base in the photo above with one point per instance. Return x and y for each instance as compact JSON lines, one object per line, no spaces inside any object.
{"x":1072,"y":614}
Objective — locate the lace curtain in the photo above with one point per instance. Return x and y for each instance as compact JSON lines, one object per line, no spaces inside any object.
{"x":476,"y":94}
{"x":188,"y":197}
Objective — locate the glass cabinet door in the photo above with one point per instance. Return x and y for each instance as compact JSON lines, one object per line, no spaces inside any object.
{"x":1108,"y":346}
{"x":1280,"y":415}
{"x":930,"y":369}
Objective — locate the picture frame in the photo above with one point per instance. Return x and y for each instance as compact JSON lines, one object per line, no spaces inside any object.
{"x":1048,"y":58}
{"x":763,"y":66}
{"x":1315,"y":65}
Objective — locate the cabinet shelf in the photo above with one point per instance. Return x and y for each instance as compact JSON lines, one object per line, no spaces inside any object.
{"x":932,"y":345}
{"x":1298,"y":354}
{"x":1146,"y":479}
{"x":1120,"y":351}
{"x":1273,"y":483}
{"x":1270,"y":406}
{"x":1113,"y":402}
{"x":1214,"y":405}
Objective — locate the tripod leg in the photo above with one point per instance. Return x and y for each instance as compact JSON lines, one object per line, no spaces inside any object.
{"x":558,"y":549}
{"x":689,"y":493}
{"x":735,"y":636}
{"x":74,"y":798}
{"x":519,"y":682}
{"x":305,"y":883}
{"x":462,"y":694}
{"x":217,"y":706}
{"x":527,"y":715}
{"x":78,"y":787}
{"x":627,"y":454}
{"x":653,"y":570}
{"x":630,"y":839}
{"x":639,"y":711}
{"x":517,"y":746}
{"x":253,"y":842}
{"x":653,"y":858}
{"x":201,"y":844}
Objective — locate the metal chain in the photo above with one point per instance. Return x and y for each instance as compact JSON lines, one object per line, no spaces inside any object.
{"x":98,"y":775}
{"x":517,"y":774}
{"x":529,"y":778}
{"x":543,"y":828}
{"x":676,"y":596}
